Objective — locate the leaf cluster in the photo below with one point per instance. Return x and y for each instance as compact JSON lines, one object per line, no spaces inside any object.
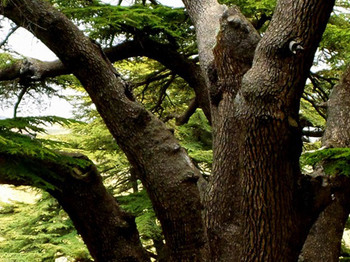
{"x":38,"y":232}
{"x":6,"y":60}
{"x":335,"y":161}
{"x":335,"y":43}
{"x":251,"y":7}
{"x":106,"y":22}
{"x":25,"y":153}
{"x":196,"y":138}
{"x":17,"y":137}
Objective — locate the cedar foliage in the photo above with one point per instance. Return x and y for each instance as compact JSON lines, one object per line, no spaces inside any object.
{"x":38,"y":232}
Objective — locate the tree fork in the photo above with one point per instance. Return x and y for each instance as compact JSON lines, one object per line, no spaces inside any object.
{"x":165,"y":168}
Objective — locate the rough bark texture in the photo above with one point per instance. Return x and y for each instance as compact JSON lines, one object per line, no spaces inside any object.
{"x":165,"y":169}
{"x":259,"y":125}
{"x":324,"y":241}
{"x":271,"y":144}
{"x":205,"y":15}
{"x":109,"y":233}
{"x":337,"y":133}
{"x":233,"y":56}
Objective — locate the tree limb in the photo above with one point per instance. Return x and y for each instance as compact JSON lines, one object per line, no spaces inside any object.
{"x":19,"y":99}
{"x":163,"y":53}
{"x":166,"y":170}
{"x":113,"y":236}
{"x":313,"y":133}
{"x":183,"y":119}
{"x":12,"y":30}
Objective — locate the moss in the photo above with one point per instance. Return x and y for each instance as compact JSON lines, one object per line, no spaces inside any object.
{"x":335,"y":161}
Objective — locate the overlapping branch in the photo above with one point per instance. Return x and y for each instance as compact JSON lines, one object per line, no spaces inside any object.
{"x":31,"y":70}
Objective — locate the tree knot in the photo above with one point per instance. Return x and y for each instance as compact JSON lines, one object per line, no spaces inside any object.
{"x":295,"y":47}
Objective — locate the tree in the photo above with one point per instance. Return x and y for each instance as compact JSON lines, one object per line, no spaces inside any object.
{"x":257,"y":205}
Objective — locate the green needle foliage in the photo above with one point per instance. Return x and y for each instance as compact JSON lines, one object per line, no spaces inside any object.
{"x":24,"y":152}
{"x":38,"y":232}
{"x":105,"y":22}
{"x":196,"y":138}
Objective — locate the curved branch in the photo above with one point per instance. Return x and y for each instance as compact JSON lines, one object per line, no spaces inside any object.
{"x":183,"y":119}
{"x":35,"y":70}
{"x":112,"y":236}
{"x":19,"y":99}
{"x":170,"y":58}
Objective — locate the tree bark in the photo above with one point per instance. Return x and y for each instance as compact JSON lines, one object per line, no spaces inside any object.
{"x":165,"y":169}
{"x":337,"y":133}
{"x":258,"y":136}
{"x":109,"y":233}
{"x":233,"y":56}
{"x":275,"y":224}
{"x":324,"y":240}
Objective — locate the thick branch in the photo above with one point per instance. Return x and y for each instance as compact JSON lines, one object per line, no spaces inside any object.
{"x":35,"y":70}
{"x":183,"y":119}
{"x":271,"y":140}
{"x":30,"y":70}
{"x":338,"y":111}
{"x":324,"y":240}
{"x":80,"y":191}
{"x":205,"y":16}
{"x":170,"y":58}
{"x":233,"y":55}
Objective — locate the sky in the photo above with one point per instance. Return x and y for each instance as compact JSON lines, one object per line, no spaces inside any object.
{"x":24,"y":43}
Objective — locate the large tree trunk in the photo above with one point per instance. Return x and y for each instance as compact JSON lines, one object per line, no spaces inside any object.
{"x":258,"y":140}
{"x":233,"y":56}
{"x":276,"y":220}
{"x":109,"y":233}
{"x":324,"y":241}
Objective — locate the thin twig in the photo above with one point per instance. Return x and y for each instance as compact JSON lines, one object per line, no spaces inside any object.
{"x":12,"y":30}
{"x":20,"y":97}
